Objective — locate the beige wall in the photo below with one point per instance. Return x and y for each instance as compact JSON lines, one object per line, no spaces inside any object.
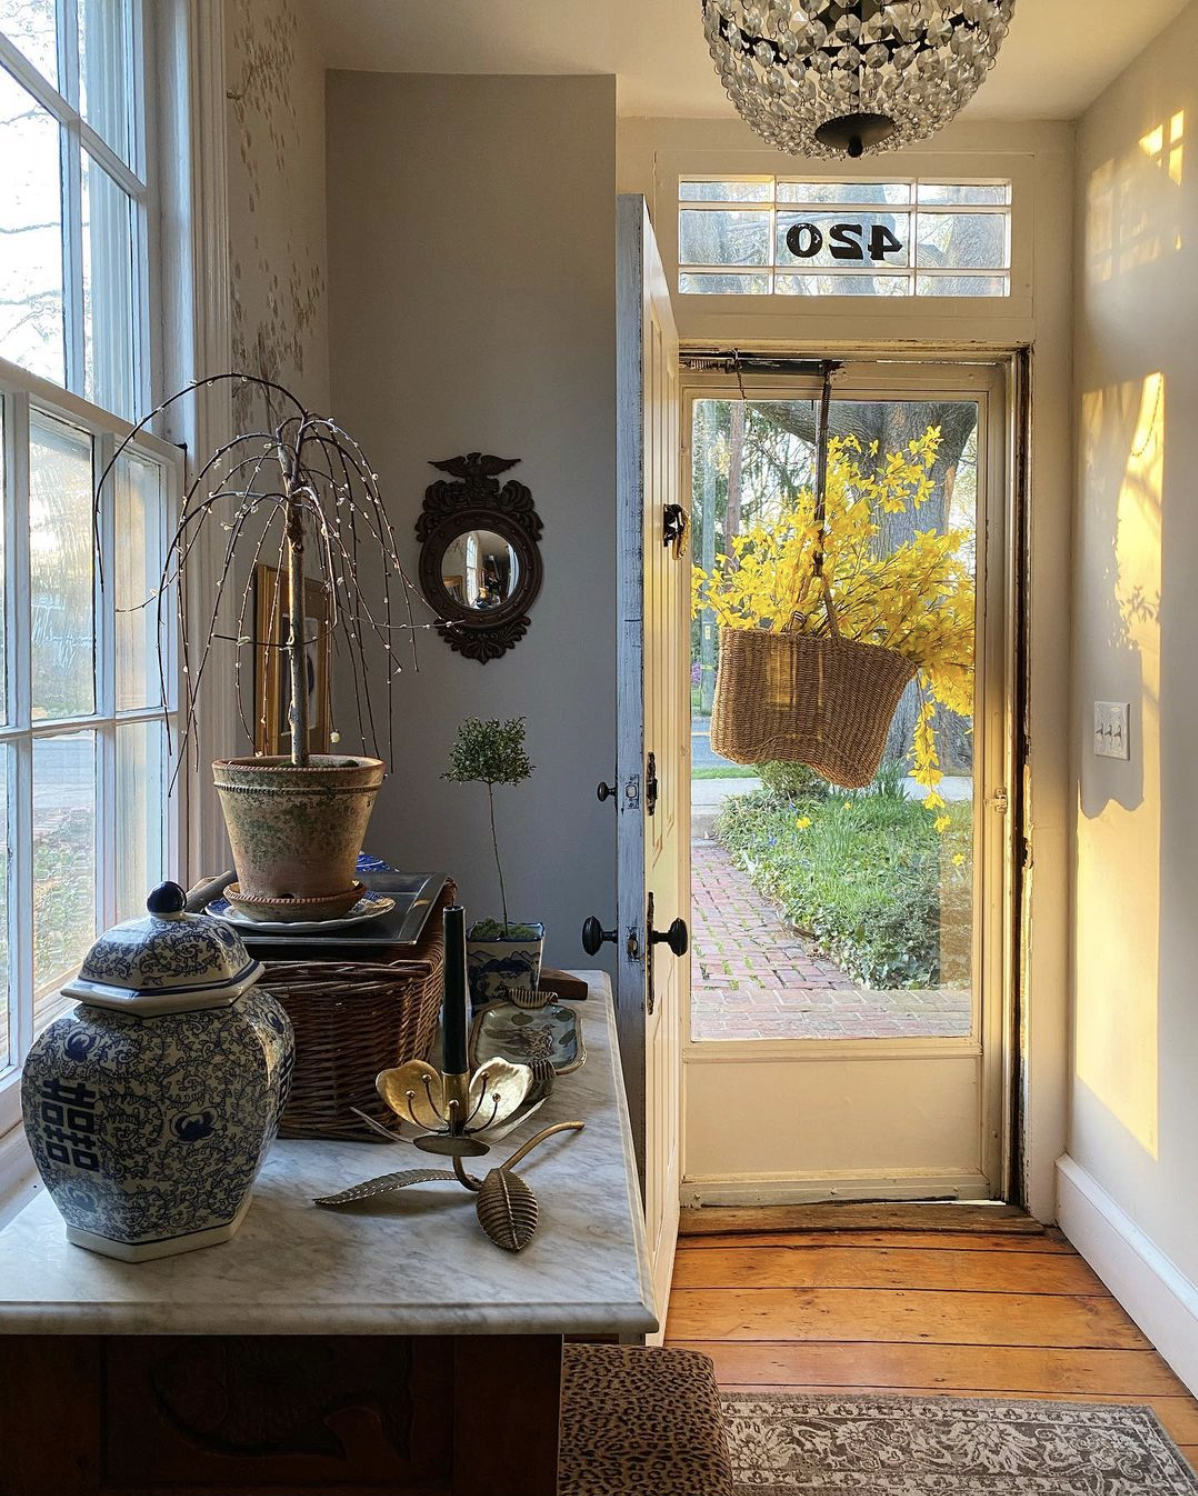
{"x":1038,"y":157}
{"x":277,"y":252}
{"x":472,"y":299}
{"x":1134,"y":1102}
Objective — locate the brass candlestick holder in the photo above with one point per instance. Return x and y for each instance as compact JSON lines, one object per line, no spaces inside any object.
{"x":461,"y":1116}
{"x":455,"y":1112}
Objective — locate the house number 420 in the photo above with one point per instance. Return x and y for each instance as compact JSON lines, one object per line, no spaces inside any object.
{"x":846,"y":241}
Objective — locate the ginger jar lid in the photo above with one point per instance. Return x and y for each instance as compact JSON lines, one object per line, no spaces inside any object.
{"x":168,"y":962}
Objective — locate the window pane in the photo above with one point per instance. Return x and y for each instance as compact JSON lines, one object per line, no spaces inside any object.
{"x":963,"y":241}
{"x":64,"y":863}
{"x":108,"y":320}
{"x":141,"y":787}
{"x":963,"y":285}
{"x":5,"y":855}
{"x":31,"y":295}
{"x":105,"y":52}
{"x":3,"y":566}
{"x":139,"y":557}
{"x":32,"y":27}
{"x":940,"y":192}
{"x":715,"y":238}
{"x":690,"y":283}
{"x":61,"y":568}
{"x":843,"y":285}
{"x":844,"y":192}
{"x":858,"y":238}
{"x":724,"y":192}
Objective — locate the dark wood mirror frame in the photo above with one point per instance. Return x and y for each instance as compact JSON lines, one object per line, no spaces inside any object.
{"x":476,"y":501}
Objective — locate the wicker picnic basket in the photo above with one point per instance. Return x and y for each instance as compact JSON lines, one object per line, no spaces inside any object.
{"x":351,"y":1020}
{"x":821,"y":700}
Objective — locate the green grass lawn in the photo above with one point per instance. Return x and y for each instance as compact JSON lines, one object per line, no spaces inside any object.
{"x":866,"y":875}
{"x":733,"y":771}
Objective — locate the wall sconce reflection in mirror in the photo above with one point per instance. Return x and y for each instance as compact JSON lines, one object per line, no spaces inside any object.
{"x":480,"y":563}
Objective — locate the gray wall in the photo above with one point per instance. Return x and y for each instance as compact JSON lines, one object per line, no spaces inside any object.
{"x":472,"y":296}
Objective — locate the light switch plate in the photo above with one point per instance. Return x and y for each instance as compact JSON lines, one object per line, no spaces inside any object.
{"x":1112,"y":729}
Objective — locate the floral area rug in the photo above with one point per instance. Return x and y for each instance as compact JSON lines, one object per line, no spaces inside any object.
{"x":787,"y":1444}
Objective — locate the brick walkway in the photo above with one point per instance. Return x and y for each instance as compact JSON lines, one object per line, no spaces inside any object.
{"x":753,"y":976}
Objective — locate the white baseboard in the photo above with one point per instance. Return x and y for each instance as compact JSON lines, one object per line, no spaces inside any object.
{"x":1153,"y":1290}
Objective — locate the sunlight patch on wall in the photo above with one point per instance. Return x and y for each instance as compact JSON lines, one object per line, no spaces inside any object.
{"x":1119,"y":840}
{"x":1132,"y":215}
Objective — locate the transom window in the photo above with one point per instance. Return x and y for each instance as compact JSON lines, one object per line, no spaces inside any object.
{"x":777,"y":236}
{"x":85,"y":760}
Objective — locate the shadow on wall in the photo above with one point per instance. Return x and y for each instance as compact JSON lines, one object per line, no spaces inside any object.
{"x":1133,"y":216}
{"x":1117,"y":959}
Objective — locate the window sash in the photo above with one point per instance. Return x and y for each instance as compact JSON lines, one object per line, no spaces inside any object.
{"x":78,"y":138}
{"x":20,"y":392}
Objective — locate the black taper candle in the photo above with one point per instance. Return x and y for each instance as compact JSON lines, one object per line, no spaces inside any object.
{"x":454,"y":1009}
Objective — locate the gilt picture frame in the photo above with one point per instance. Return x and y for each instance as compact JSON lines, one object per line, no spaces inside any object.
{"x":272,"y":687}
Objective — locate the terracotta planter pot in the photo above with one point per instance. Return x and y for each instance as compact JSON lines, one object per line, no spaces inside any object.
{"x":296,"y":832}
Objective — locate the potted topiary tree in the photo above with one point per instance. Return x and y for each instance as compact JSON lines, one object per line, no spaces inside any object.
{"x":500,"y":955}
{"x":298,"y":489}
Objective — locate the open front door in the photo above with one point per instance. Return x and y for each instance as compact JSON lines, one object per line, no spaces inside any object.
{"x":652,"y":764}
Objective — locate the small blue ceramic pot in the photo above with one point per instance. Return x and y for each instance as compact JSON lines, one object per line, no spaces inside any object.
{"x":494,"y":965}
{"x":150,"y":1107}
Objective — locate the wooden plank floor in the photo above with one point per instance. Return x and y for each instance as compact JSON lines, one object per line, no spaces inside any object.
{"x":969,"y":1313}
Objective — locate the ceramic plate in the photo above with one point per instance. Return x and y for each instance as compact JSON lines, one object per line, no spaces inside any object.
{"x":369,"y":906}
{"x":510,"y":1033}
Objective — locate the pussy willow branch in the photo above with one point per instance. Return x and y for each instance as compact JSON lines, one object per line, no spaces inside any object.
{"x":304,"y":482}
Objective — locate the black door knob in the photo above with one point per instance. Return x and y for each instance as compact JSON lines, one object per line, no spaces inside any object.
{"x":606,"y":791}
{"x":677,"y":937}
{"x":594,"y":936}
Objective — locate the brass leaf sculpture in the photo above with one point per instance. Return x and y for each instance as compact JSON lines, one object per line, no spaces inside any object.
{"x":383,"y":1185}
{"x":507,"y":1210}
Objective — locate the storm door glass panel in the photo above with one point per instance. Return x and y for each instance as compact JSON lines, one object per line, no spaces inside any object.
{"x":64,"y":864}
{"x":139,"y":556}
{"x":822,"y":913}
{"x":141,"y":791}
{"x":62,"y":576}
{"x":31,"y":263}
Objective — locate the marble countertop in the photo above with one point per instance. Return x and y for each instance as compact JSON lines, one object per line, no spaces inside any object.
{"x":414,"y":1262}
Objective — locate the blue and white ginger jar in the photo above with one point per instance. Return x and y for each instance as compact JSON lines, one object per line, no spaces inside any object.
{"x":150,"y":1107}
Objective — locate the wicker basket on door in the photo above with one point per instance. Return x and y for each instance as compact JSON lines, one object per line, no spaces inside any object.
{"x":816,"y":699}
{"x":351,"y":1020}
{"x":820,"y":700}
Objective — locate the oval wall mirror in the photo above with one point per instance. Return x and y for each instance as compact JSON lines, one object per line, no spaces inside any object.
{"x":480,"y":564}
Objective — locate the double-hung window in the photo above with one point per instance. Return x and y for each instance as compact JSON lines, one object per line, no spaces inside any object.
{"x":86,"y":823}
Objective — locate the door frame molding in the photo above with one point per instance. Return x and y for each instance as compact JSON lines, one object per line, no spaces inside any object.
{"x":995,"y":377}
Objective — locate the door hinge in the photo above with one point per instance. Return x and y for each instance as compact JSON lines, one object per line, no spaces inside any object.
{"x":999,"y":801}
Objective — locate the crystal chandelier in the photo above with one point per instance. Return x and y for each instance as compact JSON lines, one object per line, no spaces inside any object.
{"x":843,"y":77}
